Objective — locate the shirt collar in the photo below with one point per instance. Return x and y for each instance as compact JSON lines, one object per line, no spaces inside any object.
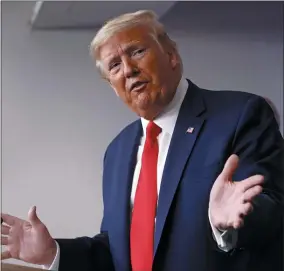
{"x":167,"y":119}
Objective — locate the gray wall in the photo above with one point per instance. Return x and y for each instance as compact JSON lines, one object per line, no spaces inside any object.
{"x":232,"y":45}
{"x":58,"y":116}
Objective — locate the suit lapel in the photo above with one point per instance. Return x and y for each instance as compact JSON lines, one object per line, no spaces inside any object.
{"x":181,"y":145}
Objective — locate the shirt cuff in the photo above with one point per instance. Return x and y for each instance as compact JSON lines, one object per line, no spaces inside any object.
{"x":55,"y":264}
{"x":226,"y":240}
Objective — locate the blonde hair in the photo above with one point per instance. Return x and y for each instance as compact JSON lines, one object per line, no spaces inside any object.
{"x":126,"y":21}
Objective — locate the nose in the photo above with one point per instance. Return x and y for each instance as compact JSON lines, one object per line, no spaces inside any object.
{"x":130,"y":68}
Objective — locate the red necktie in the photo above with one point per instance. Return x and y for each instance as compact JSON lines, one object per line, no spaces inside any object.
{"x":144,"y":210}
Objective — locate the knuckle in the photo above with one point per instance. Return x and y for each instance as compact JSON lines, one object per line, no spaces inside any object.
{"x":241,"y":188}
{"x":230,"y":222}
{"x":235,"y":225}
{"x":242,"y":198}
{"x":249,"y":205}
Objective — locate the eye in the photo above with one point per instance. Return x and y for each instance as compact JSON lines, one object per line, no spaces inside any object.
{"x":139,"y":51}
{"x":113,"y":65}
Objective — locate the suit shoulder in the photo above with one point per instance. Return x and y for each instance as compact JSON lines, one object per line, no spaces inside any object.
{"x":124,"y":132}
{"x":230,"y":95}
{"x":230,"y":98}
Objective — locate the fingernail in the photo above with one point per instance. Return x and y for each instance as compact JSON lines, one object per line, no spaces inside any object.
{"x":263,"y":178}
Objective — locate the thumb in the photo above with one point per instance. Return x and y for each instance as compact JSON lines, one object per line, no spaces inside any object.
{"x":230,"y":167}
{"x":33,"y":218}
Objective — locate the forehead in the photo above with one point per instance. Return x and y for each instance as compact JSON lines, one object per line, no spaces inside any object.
{"x":124,"y":39}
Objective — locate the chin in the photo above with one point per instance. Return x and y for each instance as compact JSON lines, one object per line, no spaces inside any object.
{"x":148,"y":113}
{"x":143,"y":103}
{"x":145,"y":107}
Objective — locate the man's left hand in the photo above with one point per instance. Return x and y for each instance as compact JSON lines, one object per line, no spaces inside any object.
{"x":231,"y":201}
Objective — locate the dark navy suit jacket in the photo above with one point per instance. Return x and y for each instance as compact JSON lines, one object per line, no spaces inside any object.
{"x":224,"y":122}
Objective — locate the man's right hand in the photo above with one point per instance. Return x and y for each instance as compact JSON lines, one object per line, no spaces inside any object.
{"x":29,"y":241}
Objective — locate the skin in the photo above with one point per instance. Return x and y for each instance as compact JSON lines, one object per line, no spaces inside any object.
{"x":129,"y":56}
{"x":134,"y":55}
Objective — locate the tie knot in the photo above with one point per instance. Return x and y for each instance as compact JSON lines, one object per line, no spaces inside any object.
{"x":153,"y":130}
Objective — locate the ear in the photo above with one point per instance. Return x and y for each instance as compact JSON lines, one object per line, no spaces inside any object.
{"x":173,"y":58}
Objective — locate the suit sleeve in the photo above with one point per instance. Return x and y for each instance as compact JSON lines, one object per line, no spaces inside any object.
{"x":85,"y":253}
{"x":259,"y":144}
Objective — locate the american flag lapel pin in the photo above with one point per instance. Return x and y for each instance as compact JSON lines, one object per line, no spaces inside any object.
{"x":190,"y":130}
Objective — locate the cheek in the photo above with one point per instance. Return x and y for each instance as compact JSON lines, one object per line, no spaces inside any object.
{"x":156,"y":69}
{"x":122,"y":93}
{"x":153,"y":67}
{"x":118,"y":85}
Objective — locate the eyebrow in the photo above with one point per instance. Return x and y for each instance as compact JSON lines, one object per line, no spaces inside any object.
{"x":127,"y":49}
{"x":130,"y":47}
{"x":113,"y":59}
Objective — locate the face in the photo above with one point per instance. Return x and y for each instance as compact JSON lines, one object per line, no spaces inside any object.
{"x":142,"y":74}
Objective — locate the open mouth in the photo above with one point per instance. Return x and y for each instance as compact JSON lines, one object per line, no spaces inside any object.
{"x":138,"y":85}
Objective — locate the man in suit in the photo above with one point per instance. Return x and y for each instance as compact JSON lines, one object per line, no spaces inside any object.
{"x":196,"y":183}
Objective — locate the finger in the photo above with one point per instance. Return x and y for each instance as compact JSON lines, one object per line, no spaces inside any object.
{"x":6,"y":255}
{"x":230,"y":167}
{"x":251,"y":182}
{"x":33,"y":218}
{"x":251,"y":193}
{"x":5,"y":230}
{"x":4,"y":240}
{"x":9,"y":219}
{"x":238,"y":223}
{"x":246,"y":209}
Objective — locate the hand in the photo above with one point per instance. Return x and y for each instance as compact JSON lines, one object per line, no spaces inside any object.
{"x":231,"y":201}
{"x":28,"y":241}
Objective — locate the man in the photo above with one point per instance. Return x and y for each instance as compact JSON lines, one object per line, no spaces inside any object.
{"x":195,"y":184}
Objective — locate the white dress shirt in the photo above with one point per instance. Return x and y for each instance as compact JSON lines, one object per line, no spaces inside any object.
{"x":226,"y":240}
